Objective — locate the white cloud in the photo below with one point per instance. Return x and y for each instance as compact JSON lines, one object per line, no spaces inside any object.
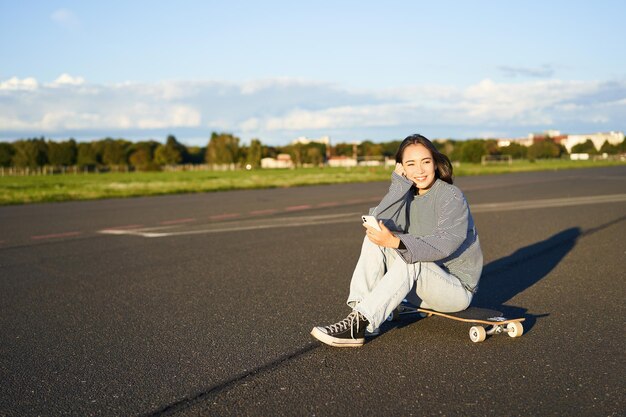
{"x":65,"y":18}
{"x":67,"y":119}
{"x":8,"y":123}
{"x":250,"y":125}
{"x":163,"y":117}
{"x":255,"y":86}
{"x":184,"y":116}
{"x":15,"y":83}
{"x":285,"y":108}
{"x":340,"y":117}
{"x":66,"y":79}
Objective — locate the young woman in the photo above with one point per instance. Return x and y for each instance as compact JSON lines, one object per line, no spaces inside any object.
{"x":427,"y":250}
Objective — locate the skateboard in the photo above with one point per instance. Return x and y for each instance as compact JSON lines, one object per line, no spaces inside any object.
{"x":486,"y":322}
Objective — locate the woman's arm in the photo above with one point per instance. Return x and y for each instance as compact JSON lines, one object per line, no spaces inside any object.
{"x":392,"y":204}
{"x":450,"y":232}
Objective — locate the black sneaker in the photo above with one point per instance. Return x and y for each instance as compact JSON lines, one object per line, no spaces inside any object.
{"x":349,"y":332}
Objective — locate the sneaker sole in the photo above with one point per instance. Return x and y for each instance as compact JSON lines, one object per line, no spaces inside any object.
{"x":334,"y":341}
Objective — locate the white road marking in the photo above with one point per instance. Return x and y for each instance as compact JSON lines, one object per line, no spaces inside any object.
{"x":56,"y":235}
{"x":258,"y":224}
{"x":254,"y":224}
{"x":552,"y":202}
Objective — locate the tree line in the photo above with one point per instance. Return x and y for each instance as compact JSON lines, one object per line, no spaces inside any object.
{"x":226,"y":149}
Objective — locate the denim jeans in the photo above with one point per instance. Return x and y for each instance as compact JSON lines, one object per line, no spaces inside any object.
{"x":382,"y":279}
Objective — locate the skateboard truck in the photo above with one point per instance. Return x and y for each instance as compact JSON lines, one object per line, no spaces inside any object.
{"x":486,"y":322}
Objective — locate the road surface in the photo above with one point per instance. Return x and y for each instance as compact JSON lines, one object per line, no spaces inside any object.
{"x":202,"y":305}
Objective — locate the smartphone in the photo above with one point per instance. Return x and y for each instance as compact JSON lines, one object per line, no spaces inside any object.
{"x":371,"y":221}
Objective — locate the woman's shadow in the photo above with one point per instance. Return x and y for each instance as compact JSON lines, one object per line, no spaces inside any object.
{"x":511,"y":275}
{"x":507,"y":277}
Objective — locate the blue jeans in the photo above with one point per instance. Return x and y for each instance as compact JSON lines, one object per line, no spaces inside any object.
{"x":382,"y":279}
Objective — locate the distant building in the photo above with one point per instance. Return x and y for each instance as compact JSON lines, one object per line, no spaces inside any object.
{"x":598,"y":139}
{"x":342,"y":161}
{"x":371,"y":163}
{"x":508,"y":141}
{"x":553,"y":135}
{"x":536,"y":138}
{"x":568,"y":141}
{"x":282,"y":160}
{"x":579,"y":156}
{"x":560,"y":139}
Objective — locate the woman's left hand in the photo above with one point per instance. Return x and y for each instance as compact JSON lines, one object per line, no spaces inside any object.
{"x":383,"y":238}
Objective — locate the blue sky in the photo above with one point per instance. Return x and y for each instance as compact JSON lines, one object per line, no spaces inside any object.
{"x":277,"y":70}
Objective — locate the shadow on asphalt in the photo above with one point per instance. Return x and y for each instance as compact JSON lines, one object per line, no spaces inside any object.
{"x":511,"y":275}
{"x":191,"y":400}
{"x":506,"y":277}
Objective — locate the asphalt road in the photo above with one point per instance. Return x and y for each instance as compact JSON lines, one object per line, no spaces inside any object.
{"x":202,"y":305}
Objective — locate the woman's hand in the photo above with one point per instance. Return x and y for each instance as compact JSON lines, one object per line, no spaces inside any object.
{"x":400,"y":169}
{"x":383,"y":238}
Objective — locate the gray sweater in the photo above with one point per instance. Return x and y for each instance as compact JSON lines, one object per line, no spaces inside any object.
{"x":435,"y":227}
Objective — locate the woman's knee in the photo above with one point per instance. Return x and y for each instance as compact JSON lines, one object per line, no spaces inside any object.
{"x":441,"y":291}
{"x":449,"y":304}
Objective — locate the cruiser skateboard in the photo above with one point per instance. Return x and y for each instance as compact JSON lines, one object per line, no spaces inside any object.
{"x":486,"y":322}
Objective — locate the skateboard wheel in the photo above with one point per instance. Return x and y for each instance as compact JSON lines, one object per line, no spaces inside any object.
{"x":394,"y":315}
{"x":478,"y":334}
{"x":515,"y":329}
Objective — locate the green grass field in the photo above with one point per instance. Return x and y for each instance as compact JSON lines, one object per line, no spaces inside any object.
{"x":35,"y":189}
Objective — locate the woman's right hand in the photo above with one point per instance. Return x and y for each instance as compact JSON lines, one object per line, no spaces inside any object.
{"x":400,"y":169}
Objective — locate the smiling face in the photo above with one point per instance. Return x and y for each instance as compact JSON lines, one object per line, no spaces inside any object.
{"x":419,"y":167}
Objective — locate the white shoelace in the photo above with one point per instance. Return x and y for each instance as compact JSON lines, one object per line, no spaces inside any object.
{"x":343,"y":324}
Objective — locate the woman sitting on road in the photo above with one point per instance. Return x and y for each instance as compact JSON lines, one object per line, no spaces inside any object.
{"x":427,"y":250}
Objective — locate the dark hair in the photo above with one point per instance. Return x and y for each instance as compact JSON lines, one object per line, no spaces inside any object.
{"x":443,"y":167}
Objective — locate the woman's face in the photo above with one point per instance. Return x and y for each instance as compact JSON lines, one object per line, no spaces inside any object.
{"x":419,"y":166}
